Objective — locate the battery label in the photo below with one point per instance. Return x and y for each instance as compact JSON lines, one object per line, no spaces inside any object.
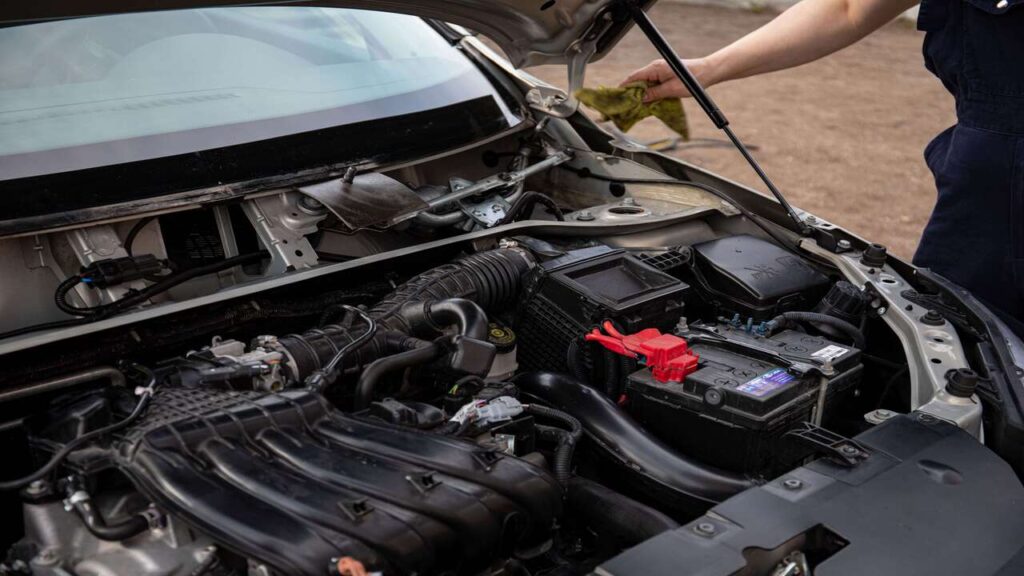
{"x":830,"y":352}
{"x":766,"y":383}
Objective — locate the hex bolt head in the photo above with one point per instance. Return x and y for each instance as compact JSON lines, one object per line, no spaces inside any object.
{"x":880,"y":415}
{"x":933,"y":318}
{"x":585,"y":216}
{"x":793,"y":484}
{"x":629,"y":201}
{"x":844,"y":245}
{"x":849,"y":450}
{"x":705,"y":529}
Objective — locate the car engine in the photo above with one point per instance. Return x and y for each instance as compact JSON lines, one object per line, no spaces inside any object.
{"x":533,"y":407}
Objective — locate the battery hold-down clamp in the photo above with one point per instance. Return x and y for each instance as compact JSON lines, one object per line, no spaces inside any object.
{"x":669,"y":357}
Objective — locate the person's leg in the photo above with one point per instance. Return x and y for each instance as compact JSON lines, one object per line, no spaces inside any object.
{"x":974,"y":236}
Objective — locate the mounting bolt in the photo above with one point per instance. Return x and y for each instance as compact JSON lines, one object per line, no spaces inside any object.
{"x":705,"y":529}
{"x":844,"y":245}
{"x":585,"y":216}
{"x":629,"y":202}
{"x":879,"y":416}
{"x":37,"y":488}
{"x":310,"y":205}
{"x":933,"y":318}
{"x":793,"y":484}
{"x":849,"y":451}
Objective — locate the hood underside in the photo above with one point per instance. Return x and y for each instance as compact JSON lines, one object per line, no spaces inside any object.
{"x":531,"y":32}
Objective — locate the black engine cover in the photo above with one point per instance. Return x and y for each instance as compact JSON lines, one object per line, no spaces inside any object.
{"x":289,"y":481}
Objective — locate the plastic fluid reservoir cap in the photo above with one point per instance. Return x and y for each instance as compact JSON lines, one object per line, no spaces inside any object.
{"x":503,"y":338}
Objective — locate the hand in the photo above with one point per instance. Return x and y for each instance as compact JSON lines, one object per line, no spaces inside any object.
{"x":662,"y":81}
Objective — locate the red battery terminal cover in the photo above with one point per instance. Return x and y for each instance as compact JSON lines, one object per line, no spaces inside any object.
{"x":668,"y":356}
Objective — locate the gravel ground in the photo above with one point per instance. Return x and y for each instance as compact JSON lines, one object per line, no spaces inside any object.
{"x":842,"y":137}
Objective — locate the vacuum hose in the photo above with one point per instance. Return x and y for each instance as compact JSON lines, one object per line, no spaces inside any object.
{"x":82,"y":504}
{"x":656,"y":468}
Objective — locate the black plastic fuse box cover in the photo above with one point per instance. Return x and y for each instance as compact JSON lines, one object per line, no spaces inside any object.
{"x":754,"y":277}
{"x":735,"y":409}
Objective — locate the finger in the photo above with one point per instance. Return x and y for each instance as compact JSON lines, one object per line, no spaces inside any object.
{"x":661,"y":91}
{"x":645,"y":74}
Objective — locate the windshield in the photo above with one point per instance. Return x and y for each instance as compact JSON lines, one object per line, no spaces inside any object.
{"x":92,"y":92}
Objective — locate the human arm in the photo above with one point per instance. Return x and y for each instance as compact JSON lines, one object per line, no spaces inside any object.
{"x":809,"y":30}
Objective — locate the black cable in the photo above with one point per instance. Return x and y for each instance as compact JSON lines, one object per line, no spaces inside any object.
{"x":145,"y":395}
{"x":527,"y":201}
{"x":129,"y":238}
{"x":567,"y":440}
{"x":325,"y":376}
{"x":60,"y":295}
{"x":44,"y":326}
{"x":575,"y":362}
{"x":843,"y":326}
{"x":137,"y":297}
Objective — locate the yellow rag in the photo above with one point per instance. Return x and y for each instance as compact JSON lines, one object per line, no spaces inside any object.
{"x":625,"y":107}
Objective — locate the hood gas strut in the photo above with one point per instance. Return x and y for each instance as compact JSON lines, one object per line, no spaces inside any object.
{"x":707,"y":104}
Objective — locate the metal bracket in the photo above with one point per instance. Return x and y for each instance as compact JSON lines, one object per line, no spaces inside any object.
{"x":282,"y":226}
{"x":842,"y":450}
{"x":555,"y":102}
{"x":488,"y":212}
{"x":931,"y":350}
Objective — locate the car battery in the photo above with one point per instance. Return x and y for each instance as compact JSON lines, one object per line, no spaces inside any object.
{"x":746,"y":393}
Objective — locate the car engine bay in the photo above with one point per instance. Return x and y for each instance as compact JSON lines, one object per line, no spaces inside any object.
{"x":524,"y":371}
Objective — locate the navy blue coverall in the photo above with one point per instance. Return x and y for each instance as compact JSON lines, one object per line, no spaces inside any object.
{"x":975,"y":236}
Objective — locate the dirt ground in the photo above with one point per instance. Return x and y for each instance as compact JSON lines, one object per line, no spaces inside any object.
{"x":842,"y":137}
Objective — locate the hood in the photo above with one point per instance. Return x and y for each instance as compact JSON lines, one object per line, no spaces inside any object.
{"x":531,"y":32}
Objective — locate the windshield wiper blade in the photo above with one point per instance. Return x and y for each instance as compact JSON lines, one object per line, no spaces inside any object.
{"x":707,"y":104}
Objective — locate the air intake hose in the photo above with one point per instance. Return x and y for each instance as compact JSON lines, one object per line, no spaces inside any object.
{"x":658,"y":470}
{"x":455,"y":294}
{"x":491,"y":279}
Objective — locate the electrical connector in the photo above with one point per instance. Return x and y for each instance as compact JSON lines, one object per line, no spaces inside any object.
{"x":114,"y":271}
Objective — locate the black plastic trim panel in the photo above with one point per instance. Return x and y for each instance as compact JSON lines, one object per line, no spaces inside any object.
{"x":928,"y":500}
